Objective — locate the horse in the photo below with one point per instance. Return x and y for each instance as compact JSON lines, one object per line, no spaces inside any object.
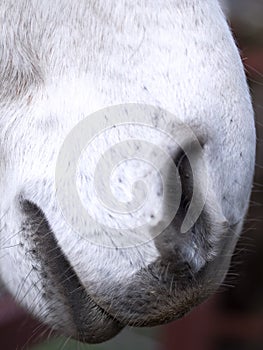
{"x":127,"y":143}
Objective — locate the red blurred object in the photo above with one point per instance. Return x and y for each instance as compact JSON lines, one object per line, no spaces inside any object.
{"x":253,"y":62}
{"x":192,"y":332}
{"x":18,"y":330}
{"x":204,"y":326}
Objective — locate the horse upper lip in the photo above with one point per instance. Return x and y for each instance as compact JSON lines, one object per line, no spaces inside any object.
{"x":150,"y":298}
{"x":164,"y":290}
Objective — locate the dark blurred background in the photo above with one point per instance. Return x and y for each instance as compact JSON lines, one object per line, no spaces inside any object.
{"x":230,"y":320}
{"x":247,"y":296}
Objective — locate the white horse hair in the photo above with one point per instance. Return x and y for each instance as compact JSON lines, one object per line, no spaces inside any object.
{"x":61,"y":61}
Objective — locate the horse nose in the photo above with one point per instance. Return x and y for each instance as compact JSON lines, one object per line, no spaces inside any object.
{"x":176,"y":227}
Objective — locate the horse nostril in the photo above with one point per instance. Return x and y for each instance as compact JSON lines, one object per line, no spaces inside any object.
{"x":187,"y":252}
{"x":181,"y":250}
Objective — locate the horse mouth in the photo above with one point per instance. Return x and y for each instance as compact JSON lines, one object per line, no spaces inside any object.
{"x":92,"y":311}
{"x":155,"y":295}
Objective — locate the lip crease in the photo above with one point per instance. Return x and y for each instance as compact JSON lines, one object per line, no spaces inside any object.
{"x":93,"y":324}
